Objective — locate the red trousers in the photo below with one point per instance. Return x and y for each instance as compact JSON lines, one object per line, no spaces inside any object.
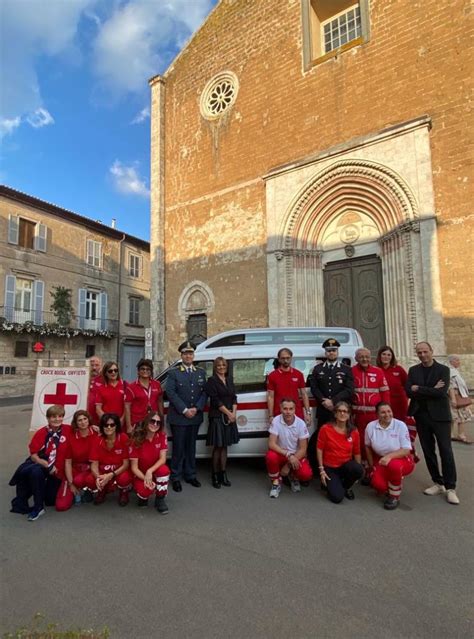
{"x":361,"y":420}
{"x":82,"y":478}
{"x":160,"y":476}
{"x":390,"y":478}
{"x":275,"y":463}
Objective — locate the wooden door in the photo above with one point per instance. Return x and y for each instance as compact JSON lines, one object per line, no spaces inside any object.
{"x":354,"y":297}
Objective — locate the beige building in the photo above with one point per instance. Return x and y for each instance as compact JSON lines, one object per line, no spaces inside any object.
{"x":312,"y":165}
{"x":42,"y":247}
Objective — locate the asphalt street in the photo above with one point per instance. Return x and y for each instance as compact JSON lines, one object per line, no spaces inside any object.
{"x":233,"y":563}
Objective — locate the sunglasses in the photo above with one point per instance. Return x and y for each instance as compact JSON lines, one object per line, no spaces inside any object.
{"x":112,"y":370}
{"x":155,"y":421}
{"x":110,"y":425}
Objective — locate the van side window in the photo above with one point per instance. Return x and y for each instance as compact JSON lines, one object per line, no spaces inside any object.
{"x":250,"y":374}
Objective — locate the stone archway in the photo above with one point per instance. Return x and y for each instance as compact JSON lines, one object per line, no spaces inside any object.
{"x":196,"y":302}
{"x":353,"y":207}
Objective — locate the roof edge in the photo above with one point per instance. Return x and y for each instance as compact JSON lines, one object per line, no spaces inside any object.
{"x":66,"y":214}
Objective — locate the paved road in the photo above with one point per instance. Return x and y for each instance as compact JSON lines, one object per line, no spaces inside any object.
{"x":233,"y":563}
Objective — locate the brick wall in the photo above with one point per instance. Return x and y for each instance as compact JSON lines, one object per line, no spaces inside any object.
{"x":417,"y":61}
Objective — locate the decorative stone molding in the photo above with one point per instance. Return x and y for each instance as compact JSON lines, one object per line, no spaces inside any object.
{"x":219,"y":95}
{"x":192,"y":290}
{"x":380,"y":191}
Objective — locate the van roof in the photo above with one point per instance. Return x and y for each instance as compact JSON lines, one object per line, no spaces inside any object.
{"x":281,"y":336}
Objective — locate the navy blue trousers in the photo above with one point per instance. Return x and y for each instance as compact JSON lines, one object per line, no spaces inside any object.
{"x":183,"y":457}
{"x":34,"y":481}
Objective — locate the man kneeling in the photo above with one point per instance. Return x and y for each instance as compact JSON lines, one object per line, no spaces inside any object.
{"x":288,"y":443}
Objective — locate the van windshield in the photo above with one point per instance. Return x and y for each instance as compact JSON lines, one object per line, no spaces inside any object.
{"x":279,"y":338}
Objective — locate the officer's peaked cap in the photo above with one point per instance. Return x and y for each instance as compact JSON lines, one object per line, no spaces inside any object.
{"x":187,"y":346}
{"x":331,"y":343}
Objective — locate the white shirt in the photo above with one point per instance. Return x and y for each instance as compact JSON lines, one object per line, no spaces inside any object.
{"x":288,"y":436}
{"x":387,"y":440}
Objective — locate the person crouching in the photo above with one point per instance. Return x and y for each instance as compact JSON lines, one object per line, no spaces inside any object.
{"x":148,"y":461}
{"x":389,"y":453}
{"x":288,"y":443}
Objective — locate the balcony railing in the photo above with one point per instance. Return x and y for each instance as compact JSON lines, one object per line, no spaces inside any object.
{"x":48,"y":323}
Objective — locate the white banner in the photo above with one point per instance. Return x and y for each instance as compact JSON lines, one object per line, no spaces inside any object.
{"x":67,"y":386}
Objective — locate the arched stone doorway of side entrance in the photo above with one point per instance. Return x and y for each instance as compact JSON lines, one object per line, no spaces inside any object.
{"x":353,"y":210}
{"x":195,"y":304}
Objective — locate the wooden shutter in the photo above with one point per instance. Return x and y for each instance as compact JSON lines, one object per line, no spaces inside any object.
{"x":10,"y":287}
{"x":13,"y":229}
{"x":38,"y":293}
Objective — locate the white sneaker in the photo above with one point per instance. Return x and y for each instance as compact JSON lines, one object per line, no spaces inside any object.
{"x":436,"y":489}
{"x":295,"y":486}
{"x":275,"y":491}
{"x":451,"y":497}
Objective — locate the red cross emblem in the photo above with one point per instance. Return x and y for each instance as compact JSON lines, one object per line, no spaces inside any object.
{"x":60,"y":396}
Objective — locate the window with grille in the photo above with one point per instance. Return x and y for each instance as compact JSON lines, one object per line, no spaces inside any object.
{"x":134,"y":311}
{"x":331,"y":27}
{"x":341,"y":29}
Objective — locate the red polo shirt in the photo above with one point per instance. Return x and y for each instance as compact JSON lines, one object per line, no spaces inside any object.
{"x":149,"y":452}
{"x":94,"y":385}
{"x":111,"y":397}
{"x":286,"y":384}
{"x":79,"y":448}
{"x":337,"y":448}
{"x":142,"y":399}
{"x":112,"y":457}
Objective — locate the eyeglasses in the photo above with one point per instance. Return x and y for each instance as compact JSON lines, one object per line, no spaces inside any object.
{"x":112,"y":370}
{"x":155,"y":421}
{"x":112,"y":425}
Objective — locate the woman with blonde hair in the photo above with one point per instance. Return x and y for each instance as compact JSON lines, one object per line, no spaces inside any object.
{"x":222,"y":431}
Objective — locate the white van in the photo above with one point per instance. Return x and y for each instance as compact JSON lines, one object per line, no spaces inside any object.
{"x":250,"y":354}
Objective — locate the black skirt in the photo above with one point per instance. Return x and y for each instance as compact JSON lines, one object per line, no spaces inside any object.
{"x":220,"y":434}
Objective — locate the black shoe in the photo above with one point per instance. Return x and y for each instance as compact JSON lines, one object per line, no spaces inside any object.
{"x":224,"y":479}
{"x":349,"y":494}
{"x":87,"y":497}
{"x":365,"y":481}
{"x":194,"y":482}
{"x":391,"y":503}
{"x":161,"y":505}
{"x":216,"y":480}
{"x":176,"y":485}
{"x":141,"y":503}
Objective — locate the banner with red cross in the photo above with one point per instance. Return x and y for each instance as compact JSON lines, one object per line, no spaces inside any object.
{"x":66,"y":385}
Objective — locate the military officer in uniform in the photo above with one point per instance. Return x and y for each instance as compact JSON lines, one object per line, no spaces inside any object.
{"x":185,"y":390}
{"x":330,"y":382}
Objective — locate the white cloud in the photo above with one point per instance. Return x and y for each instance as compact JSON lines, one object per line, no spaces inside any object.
{"x":7,"y":126}
{"x":130,"y":45}
{"x":126,"y":179}
{"x":32,"y":29}
{"x":39,"y":118}
{"x":141,"y":116}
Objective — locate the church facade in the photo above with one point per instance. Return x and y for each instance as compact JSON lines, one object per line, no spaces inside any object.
{"x":310,"y":167}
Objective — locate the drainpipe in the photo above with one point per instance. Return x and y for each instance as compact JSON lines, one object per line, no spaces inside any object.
{"x":119,"y":296}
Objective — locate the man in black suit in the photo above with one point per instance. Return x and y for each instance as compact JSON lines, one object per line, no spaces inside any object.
{"x":427,"y":386}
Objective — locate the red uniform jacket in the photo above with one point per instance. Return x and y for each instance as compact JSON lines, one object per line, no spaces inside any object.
{"x":370,"y":388}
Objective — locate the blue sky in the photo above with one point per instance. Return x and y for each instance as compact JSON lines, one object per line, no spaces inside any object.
{"x":74,"y":117}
